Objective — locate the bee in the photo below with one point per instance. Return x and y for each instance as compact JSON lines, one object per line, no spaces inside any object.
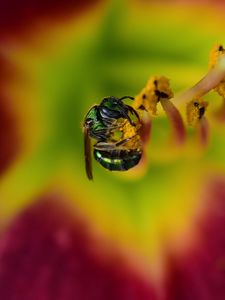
{"x":115,"y":127}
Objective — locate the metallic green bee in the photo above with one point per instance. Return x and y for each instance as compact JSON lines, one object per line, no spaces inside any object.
{"x":101,"y":123}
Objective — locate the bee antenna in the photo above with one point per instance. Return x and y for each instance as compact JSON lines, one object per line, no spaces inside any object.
{"x":126,"y":97}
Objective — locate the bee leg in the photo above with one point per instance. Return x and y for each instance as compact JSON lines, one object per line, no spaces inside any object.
{"x":120,"y":143}
{"x":108,"y":121}
{"x":104,"y":146}
{"x":99,"y":135}
{"x":124,"y":112}
{"x":130,"y":121}
{"x":133,"y":111}
{"x":112,"y":146}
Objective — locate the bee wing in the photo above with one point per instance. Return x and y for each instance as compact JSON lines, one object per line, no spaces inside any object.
{"x":87,"y":154}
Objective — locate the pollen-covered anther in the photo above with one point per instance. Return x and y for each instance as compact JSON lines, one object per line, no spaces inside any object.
{"x":215,"y":55}
{"x":164,"y":94}
{"x":195,"y":111}
{"x":216,"y":52}
{"x":196,"y":118}
{"x":156,"y":88}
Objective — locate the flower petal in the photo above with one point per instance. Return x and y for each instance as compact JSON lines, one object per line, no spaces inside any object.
{"x":9,"y":137}
{"x":200,"y":272}
{"x":20,"y":15}
{"x":47,"y":254}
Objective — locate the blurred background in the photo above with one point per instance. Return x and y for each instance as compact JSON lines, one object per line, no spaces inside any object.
{"x":57,"y":59}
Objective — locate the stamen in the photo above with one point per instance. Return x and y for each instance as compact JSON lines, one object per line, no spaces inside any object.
{"x":212,"y":79}
{"x":176,"y":121}
{"x":217,"y":52}
{"x":202,"y":132}
{"x":195,"y":117}
{"x":158,"y":90}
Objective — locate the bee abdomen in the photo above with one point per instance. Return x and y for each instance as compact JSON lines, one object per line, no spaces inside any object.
{"x":118,"y":160}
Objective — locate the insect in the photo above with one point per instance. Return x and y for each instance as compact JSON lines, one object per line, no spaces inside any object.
{"x":115,"y":127}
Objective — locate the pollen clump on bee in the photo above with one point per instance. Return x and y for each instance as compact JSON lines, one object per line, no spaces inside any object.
{"x":156,"y":88}
{"x":131,"y":133}
{"x":195,"y":110}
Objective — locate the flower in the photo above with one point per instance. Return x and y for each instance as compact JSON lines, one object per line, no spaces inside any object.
{"x":154,"y":234}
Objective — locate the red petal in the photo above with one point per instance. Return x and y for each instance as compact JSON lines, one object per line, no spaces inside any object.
{"x":9,"y":139}
{"x":200,"y":273}
{"x":47,"y":254}
{"x":18,"y":15}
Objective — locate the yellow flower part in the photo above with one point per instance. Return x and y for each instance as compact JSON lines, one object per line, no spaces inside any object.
{"x":216,"y":53}
{"x":157,"y":87}
{"x":195,"y":111}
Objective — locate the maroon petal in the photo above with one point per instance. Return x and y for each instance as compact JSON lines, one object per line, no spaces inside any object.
{"x":16,"y":16}
{"x":9,"y":136}
{"x":200,"y":272}
{"x":48,"y":254}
